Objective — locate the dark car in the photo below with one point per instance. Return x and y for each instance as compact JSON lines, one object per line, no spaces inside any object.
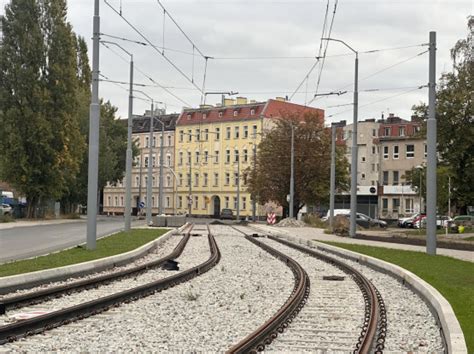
{"x":227,"y":214}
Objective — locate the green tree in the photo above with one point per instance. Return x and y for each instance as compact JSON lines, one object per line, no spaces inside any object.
{"x":455,"y":120}
{"x":270,"y":179}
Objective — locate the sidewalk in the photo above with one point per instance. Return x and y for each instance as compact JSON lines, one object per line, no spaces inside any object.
{"x":29,"y":223}
{"x":310,"y":233}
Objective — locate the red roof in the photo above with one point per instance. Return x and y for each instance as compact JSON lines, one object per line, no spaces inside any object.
{"x":270,"y":109}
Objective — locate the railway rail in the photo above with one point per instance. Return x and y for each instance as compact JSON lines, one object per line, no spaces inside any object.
{"x":11,"y":332}
{"x":372,"y":327}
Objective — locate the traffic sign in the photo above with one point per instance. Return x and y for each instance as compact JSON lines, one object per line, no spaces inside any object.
{"x":141,"y":205}
{"x":271,"y":218}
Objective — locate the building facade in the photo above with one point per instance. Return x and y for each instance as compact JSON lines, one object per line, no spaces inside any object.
{"x":114,"y":195}
{"x":215,"y":146}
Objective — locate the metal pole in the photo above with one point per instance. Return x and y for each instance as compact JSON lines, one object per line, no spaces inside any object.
{"x":254,"y":200}
{"x":449,"y":203}
{"x":94,"y":119}
{"x":150,"y":176}
{"x":431,"y":163}
{"x":238,"y":187}
{"x":160,"y":211}
{"x":332,"y":186}
{"x":292,"y":171}
{"x":354,"y":152}
{"x":190,"y":200}
{"x":128,"y":167}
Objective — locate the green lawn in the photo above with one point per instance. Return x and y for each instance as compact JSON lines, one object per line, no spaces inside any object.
{"x":118,"y":243}
{"x":453,"y":278}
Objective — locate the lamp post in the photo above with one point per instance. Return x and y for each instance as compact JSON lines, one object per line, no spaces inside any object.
{"x":332,"y":186}
{"x":354,"y":150}
{"x":128,"y":163}
{"x":150,"y":167}
{"x":94,"y":118}
{"x":292,"y":171}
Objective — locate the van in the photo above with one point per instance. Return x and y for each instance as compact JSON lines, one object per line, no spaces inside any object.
{"x":336,"y":212}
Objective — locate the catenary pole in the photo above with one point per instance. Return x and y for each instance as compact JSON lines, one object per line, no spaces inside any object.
{"x":128,"y":167}
{"x":332,"y":186}
{"x":94,"y":118}
{"x":160,"y":211}
{"x":292,"y":171}
{"x":431,"y":164}
{"x":150,"y":174}
{"x":238,"y":187}
{"x":354,"y":152}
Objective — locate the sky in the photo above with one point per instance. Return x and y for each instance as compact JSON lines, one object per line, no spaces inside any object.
{"x":263,"y":49}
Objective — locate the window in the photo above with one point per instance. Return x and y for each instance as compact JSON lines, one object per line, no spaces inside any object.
{"x":246,"y":132}
{"x":216,"y":179}
{"x":188,"y":116}
{"x":227,"y":179}
{"x":401,"y":131}
{"x":373,"y":150}
{"x":226,"y":200}
{"x":196,"y":179}
{"x":373,"y":167}
{"x":189,"y":157}
{"x":385,"y":152}
{"x":167,"y":202}
{"x":426,"y":150}
{"x":236,"y":155}
{"x":374,"y":132}
{"x":362,"y":159}
{"x":204,"y":202}
{"x":206,"y":156}
{"x":386,"y":131}
{"x":384,"y":204}
{"x":204,"y":116}
{"x":362,"y":176}
{"x":196,"y":202}
{"x":180,"y":159}
{"x":197,"y":157}
{"x":395,"y":204}
{"x":409,"y":205}
{"x":190,"y":135}
{"x":180,"y":179}
{"x":154,"y":141}
{"x":153,"y":182}
{"x":153,"y":201}
{"x":147,"y":141}
{"x":154,"y":161}
{"x":116,"y":201}
{"x":205,"y":179}
{"x":216,"y":156}
{"x":188,"y":178}
{"x":146,"y":180}
{"x":198,"y":134}
{"x":244,"y":203}
{"x":235,"y":202}
{"x":410,"y":153}
{"x":236,"y":178}
{"x":227,"y":132}
{"x":236,"y":132}
{"x":385,"y":178}
{"x":236,"y":113}
{"x":168,"y":160}
{"x":137,"y":181}
{"x":218,"y":133}
{"x":168,"y":181}
{"x":252,"y":112}
{"x":109,"y":201}
{"x":146,"y":161}
{"x":181,"y":136}
{"x":206,"y":134}
{"x":180,"y":202}
{"x":227,"y":156}
{"x":169,"y":140}
{"x":395,"y":152}
{"x":220,"y":114}
{"x":246,"y":156}
{"x":121,"y":201}
{"x":254,"y":131}
{"x":395,"y":178}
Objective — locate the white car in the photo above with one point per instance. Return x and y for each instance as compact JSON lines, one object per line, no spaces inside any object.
{"x":336,"y":212}
{"x":5,"y":209}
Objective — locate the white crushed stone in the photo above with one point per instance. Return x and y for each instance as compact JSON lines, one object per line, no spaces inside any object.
{"x":290,"y":222}
{"x":209,"y":313}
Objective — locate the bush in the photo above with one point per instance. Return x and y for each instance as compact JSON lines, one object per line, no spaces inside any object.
{"x":6,"y":218}
{"x":314,"y":221}
{"x":341,"y":225}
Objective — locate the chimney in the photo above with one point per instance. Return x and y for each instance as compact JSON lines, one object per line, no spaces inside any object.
{"x":391,"y":115}
{"x":282,"y":99}
{"x":241,"y":100}
{"x":229,"y":101}
{"x":252,"y":101}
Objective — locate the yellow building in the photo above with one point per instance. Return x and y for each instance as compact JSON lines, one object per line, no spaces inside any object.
{"x":213,"y":148}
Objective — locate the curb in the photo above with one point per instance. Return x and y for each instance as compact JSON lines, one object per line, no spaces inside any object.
{"x":28,"y":280}
{"x":450,"y":326}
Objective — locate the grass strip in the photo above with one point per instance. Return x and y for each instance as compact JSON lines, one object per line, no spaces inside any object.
{"x":108,"y":246}
{"x":453,"y":278}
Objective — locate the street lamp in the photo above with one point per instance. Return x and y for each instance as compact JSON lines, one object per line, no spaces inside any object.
{"x":128,"y":163}
{"x":354,"y":150}
{"x":149,"y":178}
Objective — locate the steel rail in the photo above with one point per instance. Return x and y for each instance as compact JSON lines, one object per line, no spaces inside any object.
{"x":42,"y":295}
{"x":266,"y":333}
{"x":374,"y":330}
{"x":58,"y":318}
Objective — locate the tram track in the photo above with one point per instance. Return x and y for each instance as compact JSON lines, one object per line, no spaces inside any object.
{"x":13,"y":331}
{"x":298,"y":333}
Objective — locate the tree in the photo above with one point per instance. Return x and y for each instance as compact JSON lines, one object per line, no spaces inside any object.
{"x":455,"y":120}
{"x":270,"y":179}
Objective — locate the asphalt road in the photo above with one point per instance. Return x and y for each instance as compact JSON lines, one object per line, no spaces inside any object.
{"x":29,"y":241}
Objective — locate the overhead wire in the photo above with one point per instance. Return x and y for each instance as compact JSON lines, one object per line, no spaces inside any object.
{"x":153,"y":46}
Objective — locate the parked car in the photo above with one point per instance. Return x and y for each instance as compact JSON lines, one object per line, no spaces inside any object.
{"x":441,"y":221}
{"x":465,"y":220}
{"x":336,"y":212}
{"x":227,"y":214}
{"x":402,"y":222}
{"x":5,"y":209}
{"x":371,"y":222}
{"x":415,"y":221}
